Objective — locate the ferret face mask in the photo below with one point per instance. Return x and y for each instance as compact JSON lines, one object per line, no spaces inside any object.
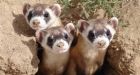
{"x":40,"y":16}
{"x":98,"y":32}
{"x":57,"y":39}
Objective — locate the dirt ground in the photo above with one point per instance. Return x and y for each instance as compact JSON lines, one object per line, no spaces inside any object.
{"x":18,"y":48}
{"x":124,"y":52}
{"x":17,"y":42}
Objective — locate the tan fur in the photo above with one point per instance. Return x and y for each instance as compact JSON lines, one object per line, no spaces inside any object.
{"x":56,"y":23}
{"x":38,"y":10}
{"x":84,"y":56}
{"x":54,"y":64}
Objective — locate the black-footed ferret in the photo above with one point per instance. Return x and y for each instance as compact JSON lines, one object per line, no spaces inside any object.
{"x":42,"y":16}
{"x":56,"y":42}
{"x":94,"y":38}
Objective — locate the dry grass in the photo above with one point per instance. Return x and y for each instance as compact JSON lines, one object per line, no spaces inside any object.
{"x":90,"y":6}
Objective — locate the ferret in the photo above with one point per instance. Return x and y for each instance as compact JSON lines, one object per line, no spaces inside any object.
{"x":42,"y":16}
{"x":56,"y":42}
{"x":93,"y":40}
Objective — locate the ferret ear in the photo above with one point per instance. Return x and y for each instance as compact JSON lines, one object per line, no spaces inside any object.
{"x":113,"y":22}
{"x":40,"y":35}
{"x":82,"y":25}
{"x":26,"y":7}
{"x":56,"y":8}
{"x":70,"y":28}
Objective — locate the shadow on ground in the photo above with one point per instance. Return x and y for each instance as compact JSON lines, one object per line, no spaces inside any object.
{"x":32,"y":46}
{"x":21,"y":27}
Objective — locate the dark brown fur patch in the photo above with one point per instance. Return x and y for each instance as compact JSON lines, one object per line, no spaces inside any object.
{"x":26,"y":7}
{"x":39,"y":8}
{"x":99,"y":26}
{"x":58,"y":31}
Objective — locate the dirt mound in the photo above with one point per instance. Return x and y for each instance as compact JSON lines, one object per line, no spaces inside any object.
{"x":17,"y":42}
{"x":124,"y":53}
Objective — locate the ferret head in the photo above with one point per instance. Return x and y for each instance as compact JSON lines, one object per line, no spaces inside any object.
{"x":57,"y":39}
{"x":40,"y":16}
{"x":99,"y":32}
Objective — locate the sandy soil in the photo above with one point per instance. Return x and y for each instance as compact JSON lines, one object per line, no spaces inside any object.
{"x":124,"y":53}
{"x":17,"y":42}
{"x":18,"y":48}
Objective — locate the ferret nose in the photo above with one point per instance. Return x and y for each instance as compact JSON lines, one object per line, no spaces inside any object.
{"x":101,"y":43}
{"x":36,"y":22}
{"x":61,"y":45}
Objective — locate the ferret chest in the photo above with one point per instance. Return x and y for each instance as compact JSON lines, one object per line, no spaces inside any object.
{"x":84,"y":50}
{"x":90,"y":54}
{"x":56,"y":61}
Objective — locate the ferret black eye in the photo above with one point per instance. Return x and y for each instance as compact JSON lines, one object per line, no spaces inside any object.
{"x":46,"y":14}
{"x":30,"y":13}
{"x":50,"y":39}
{"x":66,"y":36}
{"x":91,"y":36}
{"x":108,"y":32}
